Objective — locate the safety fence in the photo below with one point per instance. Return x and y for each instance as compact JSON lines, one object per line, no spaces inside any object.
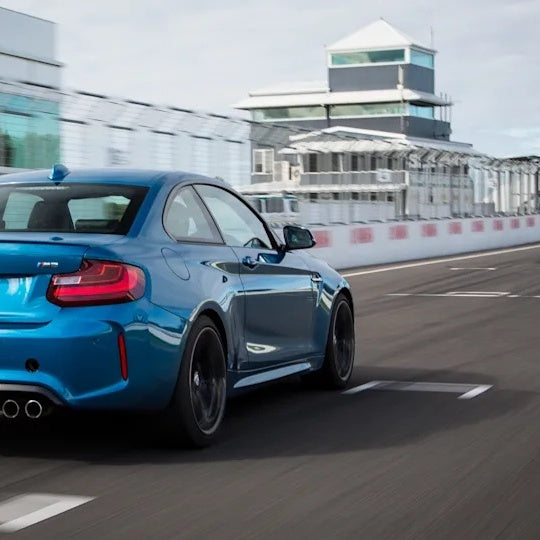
{"x":347,"y":246}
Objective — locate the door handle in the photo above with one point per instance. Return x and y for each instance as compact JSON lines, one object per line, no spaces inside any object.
{"x":316,"y":278}
{"x":250,"y":262}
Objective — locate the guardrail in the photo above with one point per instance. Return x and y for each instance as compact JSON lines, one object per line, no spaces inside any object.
{"x":347,"y":246}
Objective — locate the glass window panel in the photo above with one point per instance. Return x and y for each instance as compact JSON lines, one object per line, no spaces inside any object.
{"x":422,"y":111}
{"x":287,"y":113}
{"x":274,"y":205}
{"x":310,"y":163}
{"x":368,"y":57}
{"x":368,"y":109}
{"x":29,"y":132}
{"x":186,"y":220}
{"x":239,"y":225}
{"x":336,"y":163}
{"x":69,"y":207}
{"x":422,"y":59}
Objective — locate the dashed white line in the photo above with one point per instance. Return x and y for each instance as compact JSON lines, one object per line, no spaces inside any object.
{"x":466,"y":391}
{"x":479,"y":294}
{"x":489,"y":269}
{"x":362,"y":387}
{"x":475,"y":391}
{"x":465,"y":294}
{"x":25,"y":510}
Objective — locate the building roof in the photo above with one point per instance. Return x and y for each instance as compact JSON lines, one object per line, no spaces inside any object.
{"x":344,"y":139}
{"x":301,"y":87}
{"x":377,"y":35}
{"x":300,"y":99}
{"x":371,"y":146}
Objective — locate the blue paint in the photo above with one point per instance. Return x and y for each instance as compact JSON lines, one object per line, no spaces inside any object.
{"x":275,"y":317}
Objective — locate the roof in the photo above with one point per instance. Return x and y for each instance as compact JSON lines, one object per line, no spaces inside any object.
{"x":338,"y":98}
{"x":397,"y":139}
{"x":369,"y":146}
{"x":300,"y":87}
{"x":377,"y":35}
{"x":340,"y":139}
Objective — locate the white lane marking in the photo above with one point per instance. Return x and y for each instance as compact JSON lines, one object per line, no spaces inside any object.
{"x":475,"y":391}
{"x":490,"y":269}
{"x":362,"y":387}
{"x":462,"y":294}
{"x":466,"y":391}
{"x":26,"y":510}
{"x":439,"y":261}
{"x":479,"y":294}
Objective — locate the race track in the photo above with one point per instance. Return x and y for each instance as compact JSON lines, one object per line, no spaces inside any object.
{"x":395,"y":460}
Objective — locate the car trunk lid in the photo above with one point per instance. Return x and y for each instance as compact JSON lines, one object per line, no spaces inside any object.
{"x":25,"y":271}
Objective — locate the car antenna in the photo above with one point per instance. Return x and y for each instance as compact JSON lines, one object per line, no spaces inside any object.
{"x":58,"y":172}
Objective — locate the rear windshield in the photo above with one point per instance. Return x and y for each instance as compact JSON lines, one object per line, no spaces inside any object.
{"x":79,"y":208}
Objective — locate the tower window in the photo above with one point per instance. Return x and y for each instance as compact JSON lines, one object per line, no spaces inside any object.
{"x":367,"y":57}
{"x":423,"y":59}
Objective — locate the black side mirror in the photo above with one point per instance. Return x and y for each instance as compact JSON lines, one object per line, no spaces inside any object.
{"x":297,"y":237}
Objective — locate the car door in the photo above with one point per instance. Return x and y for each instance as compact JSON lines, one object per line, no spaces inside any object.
{"x":278,"y":288}
{"x":207,"y":268}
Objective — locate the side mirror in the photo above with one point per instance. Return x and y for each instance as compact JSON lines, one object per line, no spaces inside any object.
{"x":297,"y":237}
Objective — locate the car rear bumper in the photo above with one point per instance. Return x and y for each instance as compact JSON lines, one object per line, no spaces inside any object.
{"x":79,"y":364}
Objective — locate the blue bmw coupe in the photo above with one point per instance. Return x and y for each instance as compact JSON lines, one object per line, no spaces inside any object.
{"x":161,"y":291}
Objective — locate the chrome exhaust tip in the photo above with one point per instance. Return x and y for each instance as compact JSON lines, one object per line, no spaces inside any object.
{"x":10,"y":409}
{"x":33,"y":409}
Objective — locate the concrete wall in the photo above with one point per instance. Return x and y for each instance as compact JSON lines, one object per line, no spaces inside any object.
{"x":346,"y":79}
{"x":347,"y":246}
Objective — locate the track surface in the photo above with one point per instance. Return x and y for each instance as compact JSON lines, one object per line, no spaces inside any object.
{"x":300,"y":463}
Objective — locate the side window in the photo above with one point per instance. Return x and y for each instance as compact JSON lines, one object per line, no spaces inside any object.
{"x":185,"y":219}
{"x":239,"y":225}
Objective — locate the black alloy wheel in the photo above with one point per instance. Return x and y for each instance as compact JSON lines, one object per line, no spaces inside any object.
{"x":198,"y":405}
{"x":207,"y":377}
{"x":340,"y":348}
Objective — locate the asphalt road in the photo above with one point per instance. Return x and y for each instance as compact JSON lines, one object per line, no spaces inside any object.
{"x":295,"y":462}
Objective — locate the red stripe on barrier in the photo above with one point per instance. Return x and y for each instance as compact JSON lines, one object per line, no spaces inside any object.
{"x":455,"y":227}
{"x":362,"y":235}
{"x":498,"y":225}
{"x":323,"y":238}
{"x":515,"y":224}
{"x":399,"y":232}
{"x":477,"y":226}
{"x":429,"y":230}
{"x":530,"y":221}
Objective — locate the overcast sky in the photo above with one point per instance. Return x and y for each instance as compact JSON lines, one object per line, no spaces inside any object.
{"x":207,"y":54}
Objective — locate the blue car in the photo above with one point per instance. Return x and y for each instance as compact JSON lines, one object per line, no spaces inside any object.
{"x":156,"y":291}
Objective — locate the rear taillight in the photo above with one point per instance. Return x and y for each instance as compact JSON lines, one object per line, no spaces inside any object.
{"x":96,"y":283}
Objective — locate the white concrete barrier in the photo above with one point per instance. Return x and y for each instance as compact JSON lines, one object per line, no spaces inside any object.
{"x":347,"y":246}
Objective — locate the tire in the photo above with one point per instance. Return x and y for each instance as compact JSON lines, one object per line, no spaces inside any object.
{"x":340,"y":346}
{"x":197,"y":408}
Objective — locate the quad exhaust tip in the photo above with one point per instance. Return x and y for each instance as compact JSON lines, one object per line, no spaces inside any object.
{"x":10,"y":409}
{"x":33,"y":409}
